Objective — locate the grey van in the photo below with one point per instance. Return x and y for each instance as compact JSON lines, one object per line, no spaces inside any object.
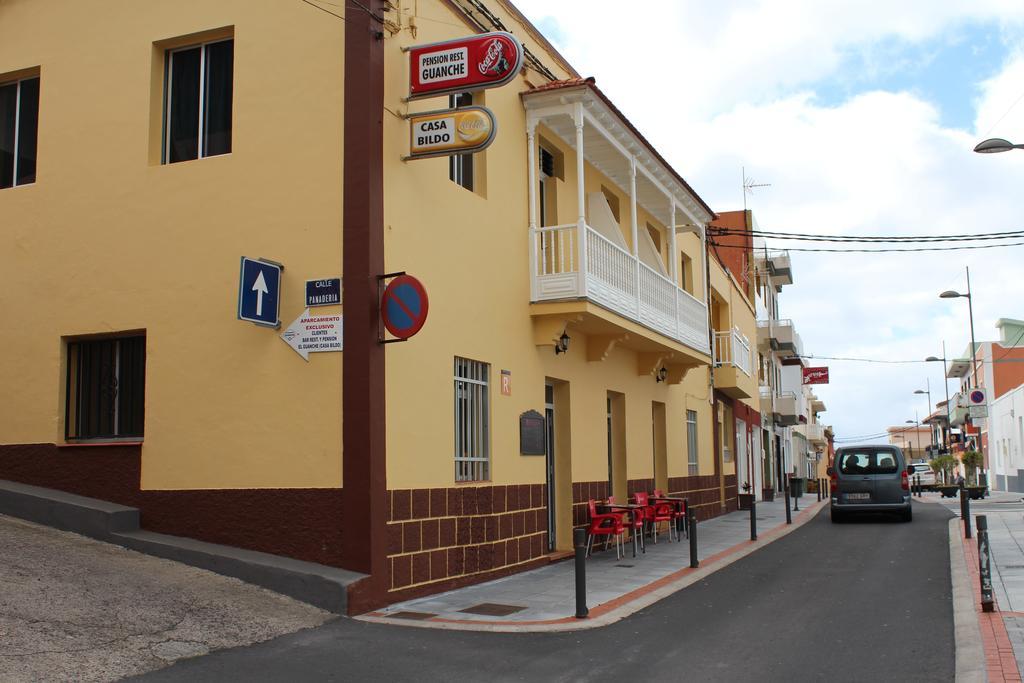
{"x":869,"y":479}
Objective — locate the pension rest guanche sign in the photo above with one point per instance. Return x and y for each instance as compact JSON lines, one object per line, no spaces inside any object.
{"x":477,"y":62}
{"x":486,"y":60}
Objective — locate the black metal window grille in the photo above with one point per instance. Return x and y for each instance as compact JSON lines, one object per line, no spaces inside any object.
{"x":106,"y":388}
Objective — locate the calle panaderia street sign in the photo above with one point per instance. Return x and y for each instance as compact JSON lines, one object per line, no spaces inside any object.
{"x":476,"y":62}
{"x":452,"y":131}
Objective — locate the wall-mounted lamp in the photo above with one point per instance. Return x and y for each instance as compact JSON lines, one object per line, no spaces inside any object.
{"x":662,"y":375}
{"x":563,"y":344}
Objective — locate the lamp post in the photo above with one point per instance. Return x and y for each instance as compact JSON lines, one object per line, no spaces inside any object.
{"x":950,"y":294}
{"x":995,"y":145}
{"x":931,"y":429}
{"x":915,"y":434}
{"x":945,"y":385}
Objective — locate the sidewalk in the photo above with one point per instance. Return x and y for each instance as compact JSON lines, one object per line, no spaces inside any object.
{"x":544,"y":599}
{"x":1002,"y":632}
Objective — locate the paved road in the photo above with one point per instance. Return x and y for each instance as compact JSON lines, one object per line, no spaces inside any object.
{"x":869,"y":600}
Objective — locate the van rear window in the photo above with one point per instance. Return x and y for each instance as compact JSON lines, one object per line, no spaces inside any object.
{"x":868,"y":462}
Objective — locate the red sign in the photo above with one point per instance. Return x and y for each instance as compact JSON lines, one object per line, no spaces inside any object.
{"x":474,"y":63}
{"x":815,"y":375}
{"x":404,"y":306}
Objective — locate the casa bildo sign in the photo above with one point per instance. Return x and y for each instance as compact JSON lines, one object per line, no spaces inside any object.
{"x":473,"y":63}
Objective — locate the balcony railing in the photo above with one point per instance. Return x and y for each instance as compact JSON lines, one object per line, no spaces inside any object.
{"x":815,"y":433}
{"x":615,"y":279}
{"x":733,"y":348}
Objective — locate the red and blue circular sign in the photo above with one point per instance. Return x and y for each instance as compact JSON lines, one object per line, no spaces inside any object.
{"x":404,"y":306}
{"x":977,"y":397}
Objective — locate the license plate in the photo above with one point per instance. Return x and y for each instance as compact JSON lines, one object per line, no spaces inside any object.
{"x":858,"y":496}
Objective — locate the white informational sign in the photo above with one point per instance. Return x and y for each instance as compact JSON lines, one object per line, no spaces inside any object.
{"x":976,"y":412}
{"x":314,"y":334}
{"x":447,"y":65}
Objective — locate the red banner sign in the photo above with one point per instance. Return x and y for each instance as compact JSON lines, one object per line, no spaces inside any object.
{"x":474,"y":63}
{"x":815,"y":375}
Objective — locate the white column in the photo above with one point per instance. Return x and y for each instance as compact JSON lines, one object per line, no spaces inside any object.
{"x":531,"y":155}
{"x":581,"y":197}
{"x":705,"y":282}
{"x":633,"y":229}
{"x":673,"y":257}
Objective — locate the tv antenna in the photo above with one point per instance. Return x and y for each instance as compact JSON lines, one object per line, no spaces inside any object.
{"x":749,"y":185}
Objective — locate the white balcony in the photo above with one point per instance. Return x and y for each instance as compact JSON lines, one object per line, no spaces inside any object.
{"x":779,"y":335}
{"x":606,"y":274}
{"x":815,"y":433}
{"x":787,"y":410}
{"x":733,"y":348}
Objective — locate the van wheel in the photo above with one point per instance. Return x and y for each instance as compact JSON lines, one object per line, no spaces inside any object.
{"x":837,"y":517}
{"x":907,"y":516}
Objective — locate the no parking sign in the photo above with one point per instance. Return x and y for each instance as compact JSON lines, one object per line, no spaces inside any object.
{"x":404,"y":306}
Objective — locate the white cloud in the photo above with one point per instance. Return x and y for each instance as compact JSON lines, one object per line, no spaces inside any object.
{"x":719,"y":88}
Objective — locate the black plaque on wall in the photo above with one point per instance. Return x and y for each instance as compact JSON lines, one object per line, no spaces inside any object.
{"x":531,"y":433}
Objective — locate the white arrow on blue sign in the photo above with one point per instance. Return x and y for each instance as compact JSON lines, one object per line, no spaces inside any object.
{"x":259,"y":292}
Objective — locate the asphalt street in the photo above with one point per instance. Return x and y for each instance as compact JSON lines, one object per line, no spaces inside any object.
{"x":863,"y":600}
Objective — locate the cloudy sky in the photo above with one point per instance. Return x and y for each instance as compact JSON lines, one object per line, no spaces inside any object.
{"x":862,"y":117}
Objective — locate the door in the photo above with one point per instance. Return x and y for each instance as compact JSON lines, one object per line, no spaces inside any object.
{"x":549,"y":453}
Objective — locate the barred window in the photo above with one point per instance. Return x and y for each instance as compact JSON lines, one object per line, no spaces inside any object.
{"x":472,"y":421}
{"x":106,"y":388}
{"x":691,"y":441}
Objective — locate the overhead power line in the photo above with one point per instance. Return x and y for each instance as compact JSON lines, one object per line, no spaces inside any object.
{"x":880,"y":251}
{"x":1007,"y":234}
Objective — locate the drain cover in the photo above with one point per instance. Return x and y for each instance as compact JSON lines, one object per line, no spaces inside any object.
{"x":628,"y":566}
{"x":418,"y":616}
{"x":492,"y":609}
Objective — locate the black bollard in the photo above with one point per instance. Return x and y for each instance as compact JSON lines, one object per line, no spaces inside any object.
{"x":818,"y":487}
{"x":753,"y":520}
{"x":985,"y":565}
{"x":579,"y":541}
{"x":789,"y":515}
{"x":965,"y":511}
{"x":691,"y":521}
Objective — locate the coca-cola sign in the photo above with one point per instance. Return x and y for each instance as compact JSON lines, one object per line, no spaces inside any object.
{"x":474,"y":63}
{"x":816,"y":375}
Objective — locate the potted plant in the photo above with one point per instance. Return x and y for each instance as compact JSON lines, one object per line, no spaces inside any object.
{"x":943,"y":468}
{"x":746,"y":498}
{"x":972,"y":460}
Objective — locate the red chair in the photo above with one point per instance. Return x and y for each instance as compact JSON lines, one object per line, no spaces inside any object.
{"x":634,"y":521}
{"x":605,"y":524}
{"x":655,"y":513}
{"x":678,"y":512}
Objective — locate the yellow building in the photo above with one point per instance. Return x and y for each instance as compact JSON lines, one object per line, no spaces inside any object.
{"x":565,"y":265}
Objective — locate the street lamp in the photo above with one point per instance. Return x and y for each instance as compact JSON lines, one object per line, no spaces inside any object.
{"x":928,"y":391}
{"x":918,"y":436}
{"x":950,"y":294}
{"x":945,"y":385}
{"x":995,"y":145}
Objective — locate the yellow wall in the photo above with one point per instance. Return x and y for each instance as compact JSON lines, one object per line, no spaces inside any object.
{"x":110,"y":240}
{"x":106,"y":240}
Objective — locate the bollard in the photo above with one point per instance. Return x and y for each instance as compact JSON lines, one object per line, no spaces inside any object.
{"x":785,"y":490}
{"x":753,"y":520}
{"x":579,"y":541}
{"x":965,"y":511}
{"x":985,"y":565}
{"x":819,"y":489}
{"x":796,"y":500}
{"x":691,"y":522}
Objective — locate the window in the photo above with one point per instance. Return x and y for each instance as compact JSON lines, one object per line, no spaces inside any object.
{"x":19,"y":123}
{"x":472,"y":421}
{"x":460,"y":166}
{"x":691,"y":441}
{"x":867,"y":462}
{"x":686,"y":273}
{"x":613,"y":202}
{"x":546,"y":188}
{"x":106,"y":388}
{"x":197,"y":99}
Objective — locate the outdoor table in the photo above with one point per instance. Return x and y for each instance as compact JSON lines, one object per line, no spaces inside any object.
{"x":632,"y":510}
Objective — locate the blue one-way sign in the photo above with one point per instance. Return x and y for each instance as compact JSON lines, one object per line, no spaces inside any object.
{"x":259,"y":292}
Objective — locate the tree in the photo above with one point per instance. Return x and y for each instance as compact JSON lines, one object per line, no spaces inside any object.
{"x":972,"y":460}
{"x":943,"y":467}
